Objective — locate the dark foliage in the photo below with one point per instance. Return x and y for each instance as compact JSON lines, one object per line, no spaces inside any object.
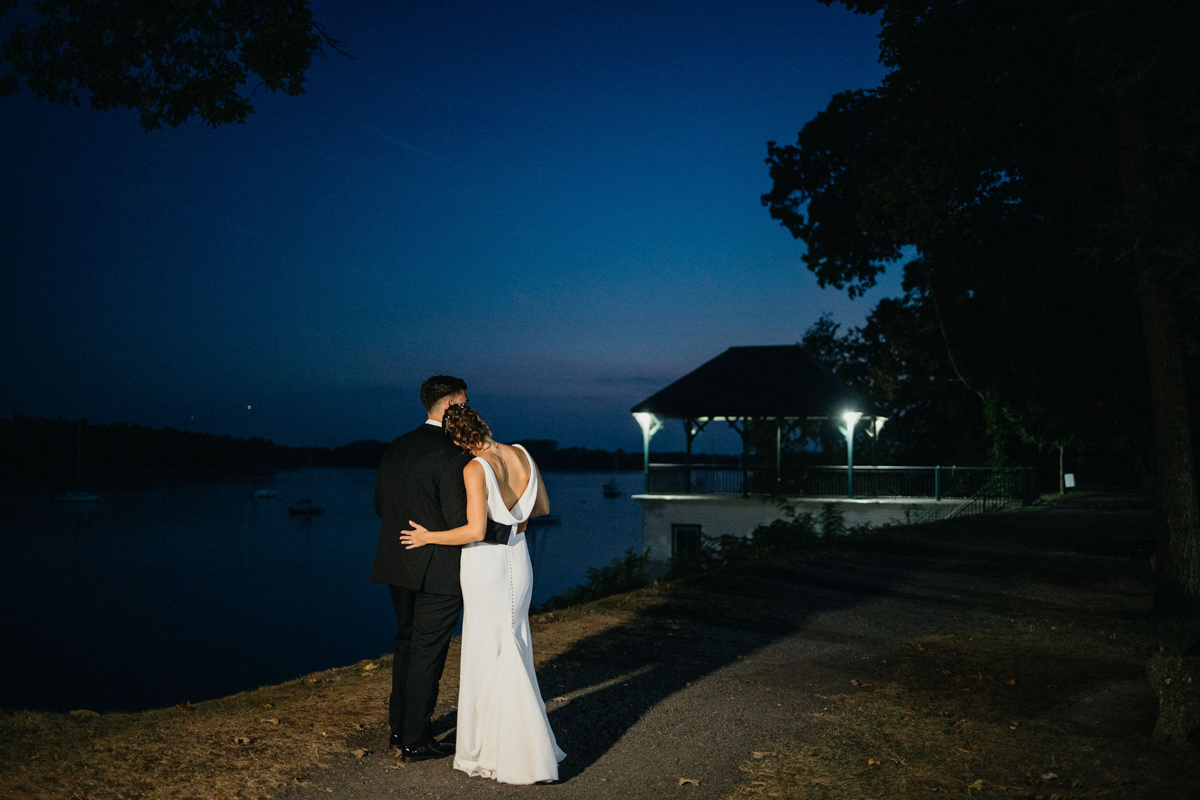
{"x":1040,"y":161}
{"x":622,"y":575}
{"x":166,"y":59}
{"x":788,"y":533}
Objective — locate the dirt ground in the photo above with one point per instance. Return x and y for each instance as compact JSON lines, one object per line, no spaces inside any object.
{"x":1003,"y":657}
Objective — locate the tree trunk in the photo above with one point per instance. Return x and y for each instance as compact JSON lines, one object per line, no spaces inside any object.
{"x":1177,"y":564}
{"x":1062,"y":475}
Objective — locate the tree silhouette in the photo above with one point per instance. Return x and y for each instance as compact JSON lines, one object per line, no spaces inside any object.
{"x":1041,"y":157}
{"x":167,"y":59}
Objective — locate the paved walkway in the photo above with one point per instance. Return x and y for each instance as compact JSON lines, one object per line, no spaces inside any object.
{"x":735,"y":665}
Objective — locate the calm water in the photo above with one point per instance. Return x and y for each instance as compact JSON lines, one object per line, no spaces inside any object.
{"x":165,"y":592}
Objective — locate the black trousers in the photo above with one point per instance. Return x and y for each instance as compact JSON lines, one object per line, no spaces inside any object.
{"x":424,"y":624}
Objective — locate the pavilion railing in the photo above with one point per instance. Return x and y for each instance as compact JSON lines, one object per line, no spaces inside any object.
{"x":868,"y":482}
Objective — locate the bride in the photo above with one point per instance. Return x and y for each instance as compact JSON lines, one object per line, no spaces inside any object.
{"x":503,"y":732}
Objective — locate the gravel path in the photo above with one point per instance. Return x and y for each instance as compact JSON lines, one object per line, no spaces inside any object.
{"x":721,"y":669}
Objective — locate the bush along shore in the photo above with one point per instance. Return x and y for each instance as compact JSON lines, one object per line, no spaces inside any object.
{"x":1004,"y":656}
{"x":790,"y":533}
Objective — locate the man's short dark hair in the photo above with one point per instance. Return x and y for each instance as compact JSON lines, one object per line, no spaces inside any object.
{"x":440,"y":386}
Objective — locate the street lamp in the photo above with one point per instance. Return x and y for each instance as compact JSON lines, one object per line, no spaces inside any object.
{"x":851,"y":418}
{"x":650,"y":425}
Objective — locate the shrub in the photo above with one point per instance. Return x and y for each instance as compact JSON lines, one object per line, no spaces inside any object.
{"x":622,"y":575}
{"x":791,"y":532}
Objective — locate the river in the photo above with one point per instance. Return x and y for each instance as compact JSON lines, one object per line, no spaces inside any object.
{"x":168,"y":591}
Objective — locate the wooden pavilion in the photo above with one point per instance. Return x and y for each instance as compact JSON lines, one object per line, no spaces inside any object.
{"x":779,"y":387}
{"x":782,"y":390}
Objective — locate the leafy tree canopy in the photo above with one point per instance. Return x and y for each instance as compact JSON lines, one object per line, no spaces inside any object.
{"x":166,"y":59}
{"x":1043,"y":158}
{"x":991,"y":148}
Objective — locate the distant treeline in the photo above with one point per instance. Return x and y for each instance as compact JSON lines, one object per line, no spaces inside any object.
{"x":56,"y":449}
{"x":551,"y":458}
{"x":36,"y":449}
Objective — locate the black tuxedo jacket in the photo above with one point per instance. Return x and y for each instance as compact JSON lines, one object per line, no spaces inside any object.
{"x":420,"y":478}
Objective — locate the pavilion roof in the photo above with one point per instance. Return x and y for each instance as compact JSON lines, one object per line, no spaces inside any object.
{"x":767,"y":381}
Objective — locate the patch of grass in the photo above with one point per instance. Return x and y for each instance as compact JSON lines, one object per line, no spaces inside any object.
{"x":250,"y":744}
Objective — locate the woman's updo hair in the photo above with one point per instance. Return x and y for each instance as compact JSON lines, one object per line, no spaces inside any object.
{"x":465,"y":427}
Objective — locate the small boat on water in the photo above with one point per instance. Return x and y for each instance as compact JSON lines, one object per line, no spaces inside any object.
{"x":76,"y":497}
{"x":611,"y":490}
{"x":304,"y":508}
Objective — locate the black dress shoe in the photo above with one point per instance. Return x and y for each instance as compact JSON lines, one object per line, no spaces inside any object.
{"x":424,"y":752}
{"x":394,"y":741}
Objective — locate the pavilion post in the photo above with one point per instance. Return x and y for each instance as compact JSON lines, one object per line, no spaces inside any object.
{"x":745,"y":468}
{"x":850,"y":464}
{"x":851,"y":418}
{"x":689,"y":429}
{"x":778,"y":451}
{"x":741,"y":425}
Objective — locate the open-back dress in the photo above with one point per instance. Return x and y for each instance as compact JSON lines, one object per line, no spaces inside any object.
{"x":503,"y":732}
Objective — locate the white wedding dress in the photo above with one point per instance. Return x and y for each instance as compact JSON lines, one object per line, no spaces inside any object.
{"x":503,"y":732}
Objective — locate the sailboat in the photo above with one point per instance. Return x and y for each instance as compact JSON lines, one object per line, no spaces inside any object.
{"x":304,"y":508}
{"x":610,"y":489}
{"x":78,"y":497}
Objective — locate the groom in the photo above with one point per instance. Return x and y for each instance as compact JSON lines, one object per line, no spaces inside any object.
{"x":420,"y":479}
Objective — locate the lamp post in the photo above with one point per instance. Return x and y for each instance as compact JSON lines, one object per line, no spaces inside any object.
{"x":650,"y":425}
{"x":851,"y":418}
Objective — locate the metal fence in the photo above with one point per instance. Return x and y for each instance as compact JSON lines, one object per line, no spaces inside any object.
{"x":1017,"y":483}
{"x":1006,"y":488}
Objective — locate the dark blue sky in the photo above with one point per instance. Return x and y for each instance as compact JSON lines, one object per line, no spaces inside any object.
{"x":558,"y":202}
